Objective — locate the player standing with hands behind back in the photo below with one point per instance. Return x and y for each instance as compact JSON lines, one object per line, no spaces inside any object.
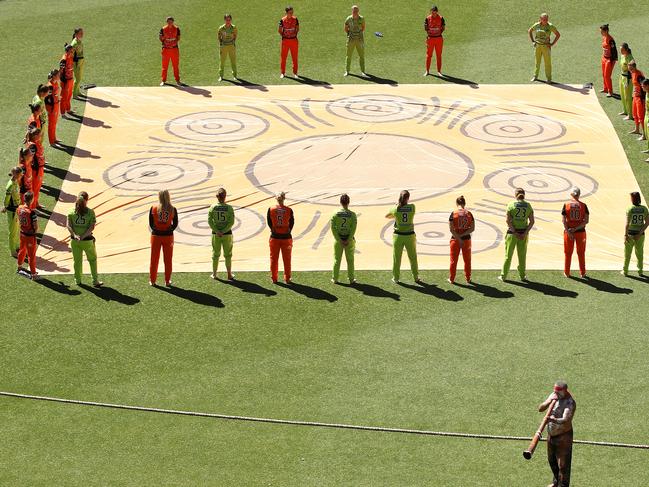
{"x":637,"y":222}
{"x":280,"y":220}
{"x":289,"y":27}
{"x":404,"y":236}
{"x":461,"y":224}
{"x":575,"y":218}
{"x":343,"y":228}
{"x":81,"y":223}
{"x":520,"y":220}
{"x":221,"y":221}
{"x":540,"y":34}
{"x":163,"y":220}
{"x":434,"y":25}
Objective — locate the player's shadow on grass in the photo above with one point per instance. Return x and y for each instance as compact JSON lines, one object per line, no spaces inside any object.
{"x":433,"y":290}
{"x":547,"y":289}
{"x":109,"y":294}
{"x":196,"y":297}
{"x":98,"y":102}
{"x":246,"y":84}
{"x":309,"y":292}
{"x":76,"y":151}
{"x":603,"y":286}
{"x":59,"y":287}
{"x":486,"y":291}
{"x":584,"y":90}
{"x":193,"y":90}
{"x":249,"y":287}
{"x":457,"y":81}
{"x":311,"y":82}
{"x":644,"y":279}
{"x":376,"y":79}
{"x":372,"y":291}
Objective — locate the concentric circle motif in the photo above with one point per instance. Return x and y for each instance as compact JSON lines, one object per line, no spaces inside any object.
{"x":433,"y":235}
{"x":155,"y":173}
{"x":217,"y":126}
{"x":377,"y":108}
{"x":513,"y":129}
{"x":315,"y":169}
{"x":193,"y":228}
{"x":541,"y":183}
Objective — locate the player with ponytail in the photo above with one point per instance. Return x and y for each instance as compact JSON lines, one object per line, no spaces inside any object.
{"x":81,"y":223}
{"x":404,"y":236}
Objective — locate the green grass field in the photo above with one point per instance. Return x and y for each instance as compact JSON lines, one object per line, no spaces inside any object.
{"x":439,"y":357}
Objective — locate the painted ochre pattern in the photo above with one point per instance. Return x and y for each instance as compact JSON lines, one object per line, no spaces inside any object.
{"x":315,"y":142}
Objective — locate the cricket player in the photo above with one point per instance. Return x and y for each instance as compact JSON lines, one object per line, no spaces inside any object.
{"x":626,"y":88}
{"x":461,"y":225}
{"x":645,"y":90}
{"x":163,"y":220}
{"x":575,"y":218}
{"x":227,"y":43}
{"x":10,"y":206}
{"x":35,"y":135}
{"x":520,"y":220}
{"x":79,"y":60}
{"x":540,"y":35}
{"x":637,"y":77}
{"x":355,"y":28}
{"x":280,"y":221}
{"x":28,"y":222}
{"x":25,"y":161}
{"x":404,"y":236}
{"x":52,"y":105}
{"x":637,"y":222}
{"x":289,"y":27}
{"x":221,"y":221}
{"x":66,"y":68}
{"x":434,"y":25}
{"x":169,"y":38}
{"x":343,"y":228}
{"x":609,"y":58}
{"x":80,"y":224}
{"x":560,"y":433}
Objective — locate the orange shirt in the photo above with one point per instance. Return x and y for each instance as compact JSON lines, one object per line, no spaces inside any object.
{"x":280,"y":220}
{"x":27,"y":220}
{"x":434,"y":25}
{"x":461,"y":220}
{"x":609,"y":48}
{"x":636,"y":78}
{"x":169,"y":36}
{"x":162,"y":222}
{"x":575,"y":213}
{"x":289,"y":27}
{"x":67,"y":66}
{"x":27,"y":173}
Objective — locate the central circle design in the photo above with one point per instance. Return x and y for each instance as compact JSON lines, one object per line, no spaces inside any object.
{"x":377,"y":108}
{"x":317,"y":169}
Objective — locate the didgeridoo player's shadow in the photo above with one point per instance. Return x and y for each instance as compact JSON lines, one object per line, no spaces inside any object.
{"x":109,"y":294}
{"x":193,"y":90}
{"x":58,"y":287}
{"x":457,"y":81}
{"x":433,"y":290}
{"x":486,"y":291}
{"x":544,"y":288}
{"x":603,"y":286}
{"x":372,"y":291}
{"x":196,"y":297}
{"x":249,"y":287}
{"x":309,"y":292}
{"x":246,"y":84}
{"x":376,"y":79}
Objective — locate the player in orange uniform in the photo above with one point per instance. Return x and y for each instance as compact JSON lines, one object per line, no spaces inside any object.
{"x":35,"y":136}
{"x":170,"y":37}
{"x":66,"y":68}
{"x":25,"y":161}
{"x":289,"y":27}
{"x":163,"y":220}
{"x":28,"y":222}
{"x":609,"y":58}
{"x":280,"y":220}
{"x":52,"y":104}
{"x":434,"y":26}
{"x":637,"y":77}
{"x":575,"y":219}
{"x":461,"y":224}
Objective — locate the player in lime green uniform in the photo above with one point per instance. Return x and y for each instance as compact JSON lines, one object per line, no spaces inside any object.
{"x":626,"y":87}
{"x":227,"y":44}
{"x":355,"y":28}
{"x":637,"y":221}
{"x":221,"y":220}
{"x":79,"y":60}
{"x":520,"y":220}
{"x":343,"y":228}
{"x":81,"y":223}
{"x":10,"y":205}
{"x":404,"y":236}
{"x":645,"y":88}
{"x":540,"y":35}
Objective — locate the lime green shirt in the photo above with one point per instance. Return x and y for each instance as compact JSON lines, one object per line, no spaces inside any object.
{"x":221,"y":218}
{"x":636,"y":216}
{"x":355,"y":27}
{"x":541,"y":33}
{"x":78,"y":49}
{"x":12,"y":196}
{"x":227,"y":35}
{"x":37,"y":101}
{"x":520,"y":213}
{"x":343,"y":224}
{"x":625,"y":59}
{"x":81,"y":223}
{"x":404,"y":218}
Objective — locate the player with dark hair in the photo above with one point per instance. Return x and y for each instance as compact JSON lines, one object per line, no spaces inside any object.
{"x":81,"y":222}
{"x":35,"y":136}
{"x":645,"y":91}
{"x":626,"y":88}
{"x":280,"y":221}
{"x":227,"y":36}
{"x":78,"y":59}
{"x":404,"y":236}
{"x":221,"y":221}
{"x":10,"y":206}
{"x":461,"y":225}
{"x":28,"y":222}
{"x":520,"y":220}
{"x":163,"y":220}
{"x":289,"y":27}
{"x":169,"y":38}
{"x":609,"y":58}
{"x":637,"y":77}
{"x":66,"y":68}
{"x":434,"y":25}
{"x":637,"y":222}
{"x":52,"y":105}
{"x":25,"y":162}
{"x":343,"y":228}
